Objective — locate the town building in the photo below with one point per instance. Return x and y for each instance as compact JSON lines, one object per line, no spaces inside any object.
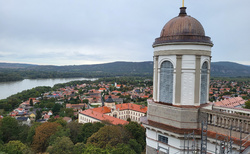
{"x":109,"y":102}
{"x":117,"y":114}
{"x":180,"y":118}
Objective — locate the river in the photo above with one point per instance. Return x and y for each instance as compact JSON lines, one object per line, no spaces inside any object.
{"x":9,"y":88}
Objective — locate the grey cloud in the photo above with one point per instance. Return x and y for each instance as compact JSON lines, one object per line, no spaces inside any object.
{"x":113,"y":30}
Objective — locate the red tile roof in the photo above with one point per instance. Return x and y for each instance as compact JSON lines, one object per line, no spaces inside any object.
{"x":103,"y":117}
{"x":103,"y":109}
{"x":57,"y":116}
{"x":46,"y":116}
{"x":115,"y":91}
{"x":231,"y":102}
{"x":20,"y":109}
{"x":67,"y":119}
{"x":130,"y":106}
{"x":102,"y":89}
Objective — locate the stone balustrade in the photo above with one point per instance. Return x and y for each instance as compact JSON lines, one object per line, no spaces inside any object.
{"x":232,"y":110}
{"x":227,"y":120}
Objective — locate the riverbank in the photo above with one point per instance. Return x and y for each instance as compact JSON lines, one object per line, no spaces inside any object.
{"x":14,"y":87}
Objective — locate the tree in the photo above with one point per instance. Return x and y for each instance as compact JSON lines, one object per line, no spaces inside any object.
{"x":61,"y":122}
{"x":32,"y":132}
{"x":247,"y":104}
{"x":135,"y":145}
{"x":43,"y":132}
{"x":122,"y":148}
{"x":31,"y":102}
{"x":56,"y":108}
{"x":15,"y":147}
{"x":85,"y":101}
{"x":23,"y":133}
{"x":62,"y":145}
{"x":9,"y":128}
{"x":66,"y":112}
{"x":88,"y":129}
{"x":138,"y":132}
{"x":38,"y":114}
{"x":1,"y":137}
{"x":83,"y":108}
{"x":62,"y":132}
{"x":75,"y":130}
{"x":79,"y":148}
{"x":50,"y":105}
{"x":109,"y":136}
{"x":91,"y":149}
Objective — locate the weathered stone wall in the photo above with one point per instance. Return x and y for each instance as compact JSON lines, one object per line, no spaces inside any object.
{"x":174,"y":116}
{"x":225,"y":131}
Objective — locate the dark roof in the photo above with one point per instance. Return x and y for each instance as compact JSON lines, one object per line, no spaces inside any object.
{"x":183,"y":28}
{"x":21,"y":113}
{"x":109,"y":100}
{"x":40,"y":120}
{"x":22,"y":118}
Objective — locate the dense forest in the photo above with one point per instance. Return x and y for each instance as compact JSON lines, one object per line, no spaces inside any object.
{"x":59,"y":137}
{"x":14,"y":72}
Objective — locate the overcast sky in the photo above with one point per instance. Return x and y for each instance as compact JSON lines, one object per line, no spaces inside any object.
{"x":74,"y":32}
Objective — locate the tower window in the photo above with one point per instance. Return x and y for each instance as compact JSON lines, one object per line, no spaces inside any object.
{"x":166,"y":82}
{"x":204,"y":83}
{"x":163,"y":139}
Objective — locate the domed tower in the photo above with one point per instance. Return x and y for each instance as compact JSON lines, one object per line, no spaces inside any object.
{"x":182,"y":57}
{"x":182,"y":62}
{"x":109,"y":102}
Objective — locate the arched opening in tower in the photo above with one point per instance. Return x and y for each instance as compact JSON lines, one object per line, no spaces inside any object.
{"x":166,"y":82}
{"x":204,"y":83}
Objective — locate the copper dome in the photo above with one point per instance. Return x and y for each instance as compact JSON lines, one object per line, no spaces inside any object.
{"x":183,"y":28}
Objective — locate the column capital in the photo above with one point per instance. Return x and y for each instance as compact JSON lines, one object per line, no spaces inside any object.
{"x":179,"y":56}
{"x":198,"y":56}
{"x":156,"y":56}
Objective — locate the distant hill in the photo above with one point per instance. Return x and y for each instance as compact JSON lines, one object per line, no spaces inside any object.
{"x":115,"y":67}
{"x":229,"y":69}
{"x":14,"y":65}
{"x":20,"y":71}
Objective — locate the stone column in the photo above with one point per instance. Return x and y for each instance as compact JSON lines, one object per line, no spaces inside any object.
{"x":227,"y":123}
{"x":234,"y":124}
{"x":247,"y":123}
{"x":155,"y":90}
{"x":215,"y":120}
{"x":208,"y":119}
{"x":197,"y":80}
{"x":178,"y":80}
{"x":238,"y":124}
{"x":222,"y":122}
{"x":230,"y":123}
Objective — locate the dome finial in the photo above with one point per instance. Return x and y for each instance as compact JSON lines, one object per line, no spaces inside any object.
{"x":182,"y":3}
{"x":183,"y":11}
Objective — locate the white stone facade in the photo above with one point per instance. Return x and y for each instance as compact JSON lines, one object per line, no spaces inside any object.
{"x":188,"y":70}
{"x":86,"y":119}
